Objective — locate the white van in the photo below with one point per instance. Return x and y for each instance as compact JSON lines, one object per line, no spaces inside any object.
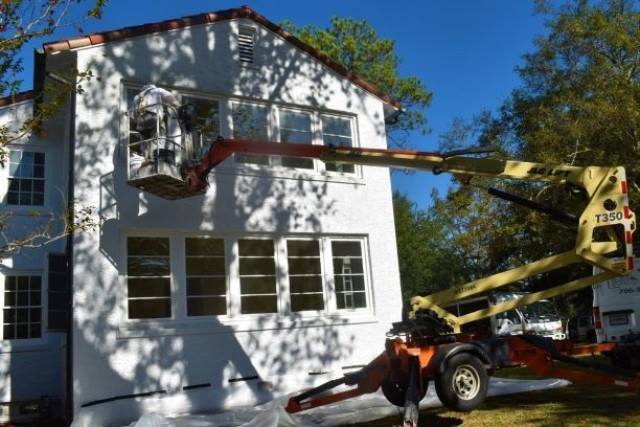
{"x":616,"y":308}
{"x":539,"y":318}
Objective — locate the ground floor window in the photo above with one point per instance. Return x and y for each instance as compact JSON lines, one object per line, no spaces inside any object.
{"x":22,"y":311}
{"x":180,"y":277}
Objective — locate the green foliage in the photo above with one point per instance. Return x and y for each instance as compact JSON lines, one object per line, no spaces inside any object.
{"x":579,"y":103}
{"x":356,"y":46}
{"x":421,"y":248}
{"x":22,"y":21}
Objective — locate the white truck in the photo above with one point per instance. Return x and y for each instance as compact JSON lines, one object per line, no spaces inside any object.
{"x":539,"y":318}
{"x":616,"y":315}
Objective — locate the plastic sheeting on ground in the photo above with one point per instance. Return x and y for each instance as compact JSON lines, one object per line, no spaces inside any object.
{"x":361,"y":409}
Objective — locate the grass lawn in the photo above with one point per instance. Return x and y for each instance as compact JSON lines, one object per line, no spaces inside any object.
{"x":578,"y":404}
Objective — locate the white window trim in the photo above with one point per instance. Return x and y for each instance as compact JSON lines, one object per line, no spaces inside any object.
{"x":234,"y":321}
{"x":230,"y":167}
{"x":48,"y":180}
{"x":318,"y":173}
{"x":30,"y":344}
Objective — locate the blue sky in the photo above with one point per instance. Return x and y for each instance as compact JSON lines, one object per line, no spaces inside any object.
{"x":465,"y":51}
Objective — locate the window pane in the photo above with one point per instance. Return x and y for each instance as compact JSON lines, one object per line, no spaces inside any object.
{"x":258,"y":285}
{"x":258,"y":266}
{"x":259,"y":304}
{"x":208,"y":306}
{"x":149,"y":288}
{"x":204,"y":246}
{"x":148,"y":246}
{"x":305,"y":284}
{"x":205,"y":266}
{"x":348,"y":274}
{"x":307,"y":302}
{"x":255,"y":247}
{"x":206,"y":286}
{"x":149,"y":308}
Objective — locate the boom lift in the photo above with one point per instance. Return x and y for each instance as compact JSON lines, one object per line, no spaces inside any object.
{"x":427,"y":345}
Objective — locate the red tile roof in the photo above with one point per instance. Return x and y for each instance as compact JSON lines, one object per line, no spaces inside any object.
{"x":18,"y":97}
{"x":206,"y":18}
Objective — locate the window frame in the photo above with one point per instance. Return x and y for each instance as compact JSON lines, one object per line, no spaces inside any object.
{"x":4,"y":184}
{"x":18,"y":342}
{"x":234,"y":318}
{"x":274,"y":132}
{"x":272,"y":168}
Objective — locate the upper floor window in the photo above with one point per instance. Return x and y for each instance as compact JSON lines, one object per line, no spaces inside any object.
{"x":250,"y":121}
{"x":336,"y":130}
{"x":26,"y":178}
{"x":22,"y":312}
{"x":295,"y":127}
{"x":211,"y":117}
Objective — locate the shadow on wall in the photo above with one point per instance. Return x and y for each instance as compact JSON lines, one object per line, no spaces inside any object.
{"x":117,"y":373}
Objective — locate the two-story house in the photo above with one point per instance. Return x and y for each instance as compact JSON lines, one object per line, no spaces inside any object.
{"x":281,"y":276}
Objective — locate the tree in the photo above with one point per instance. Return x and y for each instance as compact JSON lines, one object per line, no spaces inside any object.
{"x":579,"y":103}
{"x":421,"y":248}
{"x":22,"y":21}
{"x":580,"y":97}
{"x":356,"y":46}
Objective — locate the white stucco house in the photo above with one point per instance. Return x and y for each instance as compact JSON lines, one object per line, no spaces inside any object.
{"x":283,"y":275}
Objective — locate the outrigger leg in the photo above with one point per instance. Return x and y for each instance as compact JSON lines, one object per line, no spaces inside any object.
{"x":412,"y":398}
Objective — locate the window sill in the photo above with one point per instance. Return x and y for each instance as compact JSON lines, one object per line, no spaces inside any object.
{"x":24,"y":346}
{"x":290,"y":173}
{"x":252,"y":323}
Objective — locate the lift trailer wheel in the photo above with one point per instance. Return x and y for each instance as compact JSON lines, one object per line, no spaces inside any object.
{"x":463,"y":384}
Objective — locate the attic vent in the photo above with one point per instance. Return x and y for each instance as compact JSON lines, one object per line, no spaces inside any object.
{"x":246,"y":43}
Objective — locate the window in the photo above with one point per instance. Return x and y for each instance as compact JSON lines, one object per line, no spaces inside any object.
{"x":26,"y":178}
{"x":206,"y":277}
{"x":305,"y":275}
{"x":22,"y":307}
{"x":250,"y":122}
{"x":295,"y":127}
{"x":202,"y":127}
{"x":257,"y":276}
{"x":337,"y":131}
{"x":276,"y":276}
{"x":348,"y":273}
{"x":149,"y":277}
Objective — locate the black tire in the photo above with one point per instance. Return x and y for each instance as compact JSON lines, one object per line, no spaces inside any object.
{"x":463,"y":384}
{"x":395,"y":391}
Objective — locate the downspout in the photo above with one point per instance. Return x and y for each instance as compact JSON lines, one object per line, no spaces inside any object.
{"x":40,"y":75}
